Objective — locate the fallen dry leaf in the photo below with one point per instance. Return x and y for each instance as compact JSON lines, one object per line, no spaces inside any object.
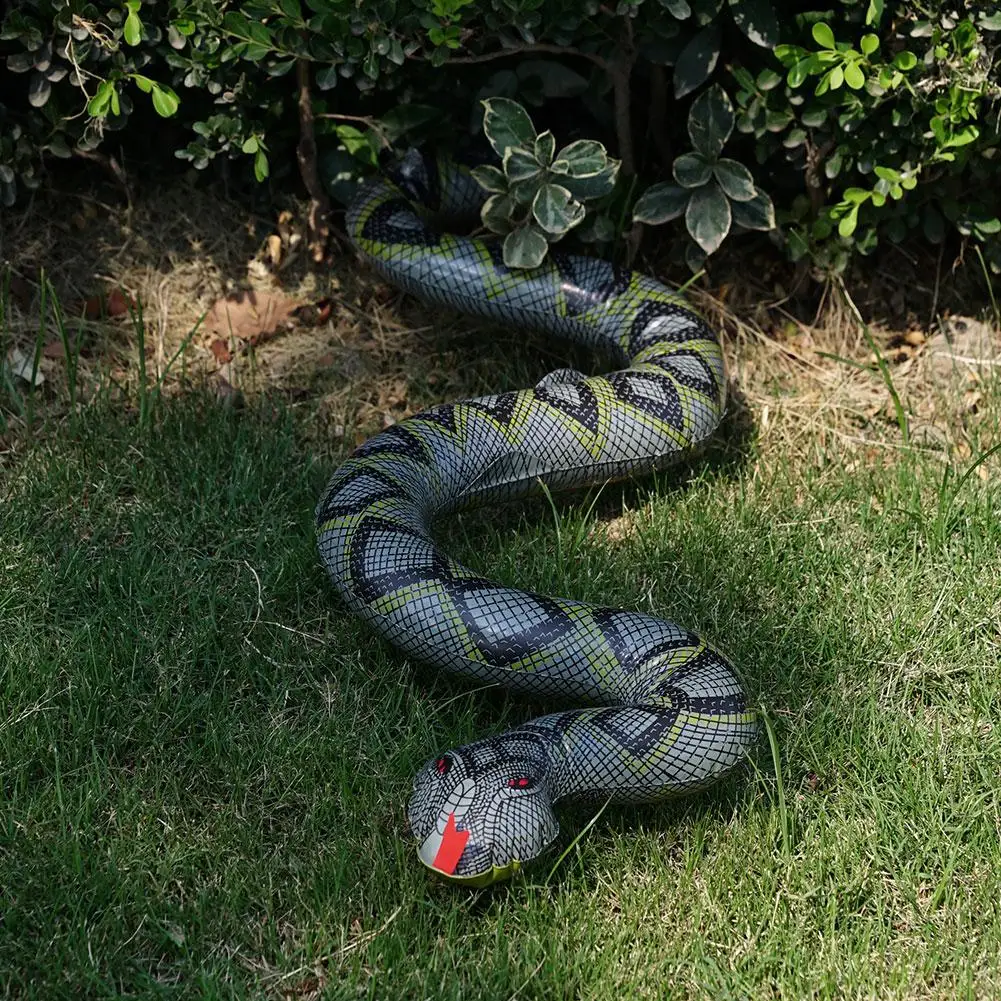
{"x":111,"y":304}
{"x":221,"y":351}
{"x":252,"y":316}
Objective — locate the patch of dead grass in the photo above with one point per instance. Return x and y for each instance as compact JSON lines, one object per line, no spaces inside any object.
{"x":378,"y":356}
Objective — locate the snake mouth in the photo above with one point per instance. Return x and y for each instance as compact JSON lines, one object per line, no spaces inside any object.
{"x":441,"y":850}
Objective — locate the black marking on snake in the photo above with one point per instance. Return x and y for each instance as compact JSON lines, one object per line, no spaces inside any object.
{"x":371,"y":585}
{"x":706,"y":383}
{"x":384,"y":488}
{"x":629,"y":387}
{"x":417,"y":179}
{"x":443,"y":416}
{"x":676,"y":325}
{"x":395,"y":222}
{"x":583,"y":410}
{"x":582,"y":291}
{"x":500,"y":408}
{"x":542,"y":622}
{"x":638,"y":742}
{"x":395,"y":440}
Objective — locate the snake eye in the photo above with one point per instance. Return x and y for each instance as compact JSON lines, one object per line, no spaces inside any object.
{"x":521,"y":783}
{"x":442,"y":765}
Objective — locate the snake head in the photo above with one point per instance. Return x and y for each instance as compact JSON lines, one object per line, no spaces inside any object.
{"x":479,"y":813}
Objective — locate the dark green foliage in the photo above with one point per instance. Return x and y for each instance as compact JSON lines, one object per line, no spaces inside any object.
{"x":862,"y":121}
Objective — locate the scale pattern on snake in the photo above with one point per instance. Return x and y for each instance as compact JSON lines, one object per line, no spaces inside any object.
{"x":665,"y":713}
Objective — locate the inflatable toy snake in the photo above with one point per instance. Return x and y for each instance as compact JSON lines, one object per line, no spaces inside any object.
{"x":666,"y":713}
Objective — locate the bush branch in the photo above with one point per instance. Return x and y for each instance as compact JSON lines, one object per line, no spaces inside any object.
{"x":521,"y":50}
{"x":318,"y":223}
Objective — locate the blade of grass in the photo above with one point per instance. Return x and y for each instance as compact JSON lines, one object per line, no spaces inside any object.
{"x":884,"y":369}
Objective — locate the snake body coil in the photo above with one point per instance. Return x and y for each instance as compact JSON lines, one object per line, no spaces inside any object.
{"x":667,"y":714}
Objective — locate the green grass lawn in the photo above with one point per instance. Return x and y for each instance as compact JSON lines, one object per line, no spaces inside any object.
{"x":205,"y":762}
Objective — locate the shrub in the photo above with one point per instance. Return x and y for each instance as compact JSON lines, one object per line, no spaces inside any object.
{"x":863,"y":121}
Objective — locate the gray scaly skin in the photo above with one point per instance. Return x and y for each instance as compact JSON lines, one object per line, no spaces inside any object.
{"x":667,"y":714}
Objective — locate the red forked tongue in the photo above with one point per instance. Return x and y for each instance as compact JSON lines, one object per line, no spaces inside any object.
{"x":450,"y":849}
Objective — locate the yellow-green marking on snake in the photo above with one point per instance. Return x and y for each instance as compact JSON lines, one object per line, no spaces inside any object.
{"x":665,"y":713}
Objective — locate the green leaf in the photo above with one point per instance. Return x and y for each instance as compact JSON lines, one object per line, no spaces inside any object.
{"x":868,"y":44}
{"x":757,"y":213}
{"x":661,"y":203}
{"x":692,"y":170}
{"x":677,"y":8}
{"x":710,"y":122}
{"x":874,"y":13}
{"x":905,"y":60}
{"x":39,"y":90}
{"x":520,"y":164}
{"x":849,"y":222}
{"x":582,"y":158}
{"x":356,"y":142}
{"x":854,"y":76}
{"x":964,"y":136}
{"x":98,"y":104}
{"x":250,"y":145}
{"x":490,"y":178}
{"x":767,"y":80}
{"x":525,"y":248}
{"x":555,"y":210}
{"x":132,"y":32}
{"x":523,"y":192}
{"x":261,"y":169}
{"x":593,"y":186}
{"x":823,"y":35}
{"x":708,"y":217}
{"x":756,"y":19}
{"x":735,"y":179}
{"x":697,"y":60}
{"x":165,"y":101}
{"x":789,"y":54}
{"x":597,"y":228}
{"x":506,"y":123}
{"x":990,"y":22}
{"x":545,"y":146}
{"x":798,"y":73}
{"x":496,"y":214}
{"x":326,"y":77}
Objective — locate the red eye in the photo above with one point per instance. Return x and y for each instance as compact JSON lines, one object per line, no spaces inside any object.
{"x":520,"y":783}
{"x":442,"y":765}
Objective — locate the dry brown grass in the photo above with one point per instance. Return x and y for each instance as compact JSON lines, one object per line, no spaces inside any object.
{"x":378,"y":356}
